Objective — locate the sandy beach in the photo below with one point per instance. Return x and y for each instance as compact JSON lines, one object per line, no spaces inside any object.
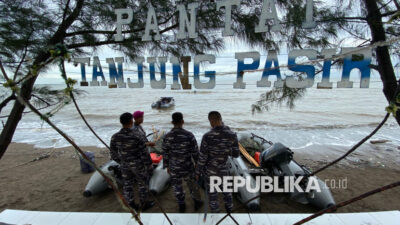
{"x":56,"y":183}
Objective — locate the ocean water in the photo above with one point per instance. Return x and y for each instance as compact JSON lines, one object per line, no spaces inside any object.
{"x":335,"y":117}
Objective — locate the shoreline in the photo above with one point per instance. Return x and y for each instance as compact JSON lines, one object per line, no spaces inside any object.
{"x":55,"y":183}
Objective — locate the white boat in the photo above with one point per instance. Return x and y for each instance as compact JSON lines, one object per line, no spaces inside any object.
{"x":164,"y":103}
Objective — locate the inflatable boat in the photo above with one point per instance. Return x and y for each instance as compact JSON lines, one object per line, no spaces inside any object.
{"x":237,"y":167}
{"x":164,"y":103}
{"x":158,"y":182}
{"x":97,"y":184}
{"x":276,"y":160}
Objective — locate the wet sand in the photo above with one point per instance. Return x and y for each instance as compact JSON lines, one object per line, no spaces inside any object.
{"x":56,"y":183}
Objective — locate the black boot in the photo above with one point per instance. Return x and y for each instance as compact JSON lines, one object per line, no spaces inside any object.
{"x":133,"y":205}
{"x":147,"y":205}
{"x":182,"y":208}
{"x":197,"y":204}
{"x":228,"y":210}
{"x":216,"y":211}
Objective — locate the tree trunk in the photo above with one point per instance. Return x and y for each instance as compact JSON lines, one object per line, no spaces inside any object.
{"x":16,"y":113}
{"x":26,"y":89}
{"x":385,"y":67}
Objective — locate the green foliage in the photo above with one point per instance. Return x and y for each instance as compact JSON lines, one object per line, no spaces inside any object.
{"x":396,"y":16}
{"x":278,"y":96}
{"x":44,"y":96}
{"x":9,"y":84}
{"x":31,"y":24}
{"x":60,"y":51}
{"x":27,"y":28}
{"x":392,"y":108}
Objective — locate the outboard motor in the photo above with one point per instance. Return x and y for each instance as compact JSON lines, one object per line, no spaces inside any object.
{"x":278,"y":160}
{"x":116,"y":169}
{"x":276,"y":155}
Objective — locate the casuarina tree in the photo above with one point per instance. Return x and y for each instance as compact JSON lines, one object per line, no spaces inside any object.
{"x":32,"y":32}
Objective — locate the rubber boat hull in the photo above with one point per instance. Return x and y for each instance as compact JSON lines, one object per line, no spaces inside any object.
{"x":97,"y":183}
{"x":279,"y":155}
{"x":238,"y":168}
{"x":277,"y":160}
{"x":160,"y":180}
{"x":160,"y":105}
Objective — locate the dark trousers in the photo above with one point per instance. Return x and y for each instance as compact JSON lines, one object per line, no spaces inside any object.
{"x":129,"y":176}
{"x":176,"y":182}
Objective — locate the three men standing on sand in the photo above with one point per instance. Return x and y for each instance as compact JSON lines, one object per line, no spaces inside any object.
{"x":181,"y":156}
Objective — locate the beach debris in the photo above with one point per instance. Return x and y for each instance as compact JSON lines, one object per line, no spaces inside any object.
{"x":45,"y":156}
{"x":379,"y":141}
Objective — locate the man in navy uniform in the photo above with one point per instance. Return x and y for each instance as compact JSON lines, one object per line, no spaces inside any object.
{"x":216,"y":146}
{"x":180,"y":151}
{"x":135,"y":161}
{"x":138,"y":116}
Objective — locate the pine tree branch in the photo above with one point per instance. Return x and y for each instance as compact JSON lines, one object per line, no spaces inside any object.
{"x":373,"y":66}
{"x":6,"y":101}
{"x":397,"y":4}
{"x":112,"y":41}
{"x":389,"y":13}
{"x":44,"y":107}
{"x":20,"y":63}
{"x":41,"y":99}
{"x":352,"y":33}
{"x":83,"y":32}
{"x":384,"y":5}
{"x":66,"y":10}
{"x":343,"y":18}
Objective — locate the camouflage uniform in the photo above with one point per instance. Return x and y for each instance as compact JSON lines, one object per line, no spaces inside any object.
{"x":135,"y":162}
{"x":114,"y":152}
{"x":216,"y":145}
{"x":180,"y":147}
{"x":140,"y":129}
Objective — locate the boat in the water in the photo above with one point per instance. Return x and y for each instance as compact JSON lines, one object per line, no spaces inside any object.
{"x":164,"y":103}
